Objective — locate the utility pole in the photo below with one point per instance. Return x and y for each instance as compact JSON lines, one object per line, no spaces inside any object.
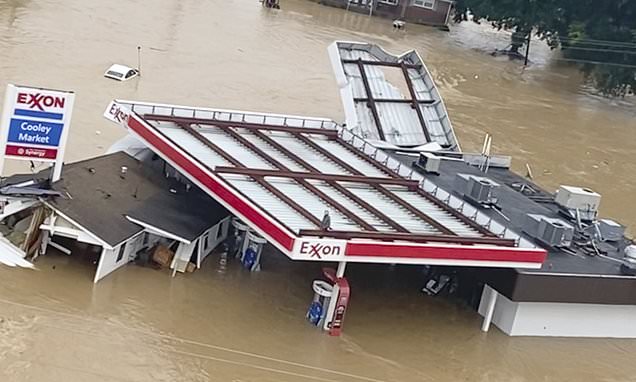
{"x":139,"y":60}
{"x":528,"y":47}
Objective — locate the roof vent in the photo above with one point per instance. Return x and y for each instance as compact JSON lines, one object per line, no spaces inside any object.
{"x":629,"y":261}
{"x":429,"y":163}
{"x":550,"y":231}
{"x":584,"y":200}
{"x":477,"y":188}
{"x":611,"y":230}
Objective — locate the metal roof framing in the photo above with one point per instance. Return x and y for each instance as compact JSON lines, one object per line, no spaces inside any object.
{"x":378,"y":187}
{"x":284,"y":171}
{"x":466,"y":220}
{"x":258,"y":178}
{"x":279,"y":178}
{"x":313,"y":189}
{"x":381,"y":63}
{"x":414,"y":104}
{"x":332,"y":182}
{"x":359,"y":71}
{"x":370,"y":100}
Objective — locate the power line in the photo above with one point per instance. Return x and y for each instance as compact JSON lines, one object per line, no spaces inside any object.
{"x":590,"y":41}
{"x":600,"y":50}
{"x":594,"y":62}
{"x":582,"y":61}
{"x":617,"y":44}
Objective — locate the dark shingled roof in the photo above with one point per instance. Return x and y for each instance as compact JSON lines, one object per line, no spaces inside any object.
{"x":98,"y":197}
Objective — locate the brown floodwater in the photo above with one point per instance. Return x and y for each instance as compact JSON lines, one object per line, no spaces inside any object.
{"x":139,"y":324}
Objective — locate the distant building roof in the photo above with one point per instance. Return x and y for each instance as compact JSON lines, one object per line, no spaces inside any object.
{"x":98,"y":196}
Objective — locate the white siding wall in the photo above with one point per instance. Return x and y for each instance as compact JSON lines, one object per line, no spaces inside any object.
{"x":108,"y":261}
{"x":213,"y":237}
{"x":561,"y":319}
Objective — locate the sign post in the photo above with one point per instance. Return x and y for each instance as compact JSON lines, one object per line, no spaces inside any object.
{"x":34,"y":125}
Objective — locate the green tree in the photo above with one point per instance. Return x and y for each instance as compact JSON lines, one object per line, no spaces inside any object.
{"x":597,"y":35}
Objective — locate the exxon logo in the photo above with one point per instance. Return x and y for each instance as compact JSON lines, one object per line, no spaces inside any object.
{"x":319,"y":250}
{"x":40,"y":101}
{"x":117,"y":114}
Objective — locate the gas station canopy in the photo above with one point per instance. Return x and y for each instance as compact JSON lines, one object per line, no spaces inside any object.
{"x":281,"y":174}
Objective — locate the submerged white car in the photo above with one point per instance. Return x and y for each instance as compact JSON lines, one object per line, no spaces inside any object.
{"x":121,"y":72}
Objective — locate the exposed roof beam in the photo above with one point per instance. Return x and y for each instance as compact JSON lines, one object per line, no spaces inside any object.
{"x":370,"y":100}
{"x":346,"y":235}
{"x":463,"y":218}
{"x":411,"y":184}
{"x":315,"y":172}
{"x":287,"y":200}
{"x":313,"y":189}
{"x":396,"y":100}
{"x":209,"y":144}
{"x":245,"y":125}
{"x":381,"y":63}
{"x":306,"y":214}
{"x":421,"y":215}
{"x":415,"y":105}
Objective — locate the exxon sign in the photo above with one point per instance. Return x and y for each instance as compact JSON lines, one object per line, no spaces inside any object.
{"x":319,"y":250}
{"x":35,"y":123}
{"x":39,"y":101}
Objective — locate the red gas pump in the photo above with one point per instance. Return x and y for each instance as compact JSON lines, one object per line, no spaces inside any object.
{"x":342,"y":300}
{"x":338,"y":303}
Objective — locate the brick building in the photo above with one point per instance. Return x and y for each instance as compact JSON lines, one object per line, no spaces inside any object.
{"x":429,"y":12}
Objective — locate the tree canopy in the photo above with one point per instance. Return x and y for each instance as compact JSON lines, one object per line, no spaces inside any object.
{"x":597,"y":35}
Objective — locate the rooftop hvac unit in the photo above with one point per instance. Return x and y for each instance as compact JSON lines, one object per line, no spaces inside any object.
{"x":550,"y":231}
{"x":611,"y":230}
{"x":429,"y":163}
{"x":476,"y":188}
{"x":584,"y":200}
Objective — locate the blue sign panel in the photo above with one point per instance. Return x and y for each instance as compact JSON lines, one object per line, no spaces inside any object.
{"x":35,"y":132}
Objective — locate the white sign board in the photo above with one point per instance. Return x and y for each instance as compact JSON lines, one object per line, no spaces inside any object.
{"x":35,"y":124}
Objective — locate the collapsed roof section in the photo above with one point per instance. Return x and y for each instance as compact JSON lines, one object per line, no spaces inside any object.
{"x":114,"y":197}
{"x":281,"y":173}
{"x":390,"y":98}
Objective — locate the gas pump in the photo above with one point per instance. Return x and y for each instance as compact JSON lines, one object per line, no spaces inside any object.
{"x":241,"y":231}
{"x":322,"y":297}
{"x":251,"y":254}
{"x":332,"y":294}
{"x":340,"y":303}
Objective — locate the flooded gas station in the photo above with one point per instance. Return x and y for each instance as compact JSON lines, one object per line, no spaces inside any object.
{"x":223,"y":323}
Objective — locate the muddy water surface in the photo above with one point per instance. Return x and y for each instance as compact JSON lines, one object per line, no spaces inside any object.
{"x":140,"y":325}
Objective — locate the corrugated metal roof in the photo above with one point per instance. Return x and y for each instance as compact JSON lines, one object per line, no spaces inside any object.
{"x":386,"y":77}
{"x":281,"y":173}
{"x":313,"y":203}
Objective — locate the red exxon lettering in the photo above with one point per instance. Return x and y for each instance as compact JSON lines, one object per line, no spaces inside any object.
{"x":40,"y":101}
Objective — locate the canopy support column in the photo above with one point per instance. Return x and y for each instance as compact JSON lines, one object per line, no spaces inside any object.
{"x":341,"y":269}
{"x":490,"y":310}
